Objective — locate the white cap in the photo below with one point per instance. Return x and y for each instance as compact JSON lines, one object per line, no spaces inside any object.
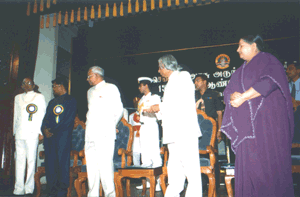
{"x":145,"y":79}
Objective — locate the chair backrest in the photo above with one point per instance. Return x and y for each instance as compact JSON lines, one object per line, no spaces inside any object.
{"x":208,"y":128}
{"x":124,"y":139}
{"x":78,"y":135}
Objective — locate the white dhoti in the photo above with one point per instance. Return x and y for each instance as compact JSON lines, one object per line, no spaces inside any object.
{"x":25,"y":150}
{"x":99,"y":159}
{"x":136,"y":150}
{"x":184,"y":163}
{"x":149,"y":138}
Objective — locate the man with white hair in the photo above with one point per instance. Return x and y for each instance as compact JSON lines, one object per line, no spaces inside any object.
{"x":105,"y":109}
{"x":180,"y":129}
{"x":149,"y":130}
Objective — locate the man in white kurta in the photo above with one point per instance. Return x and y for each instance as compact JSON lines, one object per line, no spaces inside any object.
{"x":105,"y":109}
{"x":180,"y":129}
{"x":29,"y":111}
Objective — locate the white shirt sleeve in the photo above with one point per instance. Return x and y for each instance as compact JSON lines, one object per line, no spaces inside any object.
{"x":117,"y":104}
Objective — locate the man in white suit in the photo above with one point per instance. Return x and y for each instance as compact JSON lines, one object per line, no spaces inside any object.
{"x":180,"y":129}
{"x":29,"y":111}
{"x":105,"y":109}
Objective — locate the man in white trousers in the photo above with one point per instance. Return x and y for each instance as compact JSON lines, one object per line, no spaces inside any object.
{"x":29,"y":111}
{"x":180,"y":129}
{"x":105,"y":109}
{"x":149,"y":131}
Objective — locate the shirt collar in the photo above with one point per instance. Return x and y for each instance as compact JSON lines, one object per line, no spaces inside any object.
{"x":29,"y":92}
{"x":100,"y":84}
{"x":174,"y":73}
{"x":149,"y":94}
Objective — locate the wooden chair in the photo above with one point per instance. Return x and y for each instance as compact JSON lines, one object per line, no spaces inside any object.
{"x":207,"y":143}
{"x":77,"y":144}
{"x":123,"y":147}
{"x":140,"y":172}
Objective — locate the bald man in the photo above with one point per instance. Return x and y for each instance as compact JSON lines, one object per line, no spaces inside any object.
{"x":29,"y":111}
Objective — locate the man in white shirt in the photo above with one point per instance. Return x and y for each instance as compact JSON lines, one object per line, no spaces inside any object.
{"x":29,"y":111}
{"x":180,"y":129}
{"x":149,"y":131}
{"x":105,"y":109}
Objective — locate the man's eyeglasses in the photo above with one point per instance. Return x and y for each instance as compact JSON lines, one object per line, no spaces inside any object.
{"x":89,"y":76}
{"x":54,"y":86}
{"x":24,"y":83}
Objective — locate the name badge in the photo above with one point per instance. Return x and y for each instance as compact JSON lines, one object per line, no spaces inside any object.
{"x":31,"y":109}
{"x":57,"y":110}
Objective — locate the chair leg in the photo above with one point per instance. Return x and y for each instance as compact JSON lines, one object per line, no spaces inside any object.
{"x":37,"y":179}
{"x":163,"y":185}
{"x":144,"y":182}
{"x":78,"y":185}
{"x":116,"y":184}
{"x":70,"y":185}
{"x":228,"y":185}
{"x":128,"y":191}
{"x":120,"y":187}
{"x":212,"y":185}
{"x":152,"y":186}
{"x":83,"y":187}
{"x":101,"y":190}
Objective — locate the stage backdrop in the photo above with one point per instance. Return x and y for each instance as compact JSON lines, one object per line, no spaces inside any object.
{"x":203,"y":39}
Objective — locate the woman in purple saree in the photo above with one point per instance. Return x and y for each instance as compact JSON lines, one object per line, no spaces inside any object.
{"x":258,"y":119}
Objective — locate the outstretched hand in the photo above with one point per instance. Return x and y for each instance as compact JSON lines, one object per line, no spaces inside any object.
{"x":152,"y":109}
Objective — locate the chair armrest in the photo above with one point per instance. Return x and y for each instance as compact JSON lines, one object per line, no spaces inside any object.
{"x":81,"y":154}
{"x":295,"y":145}
{"x":203,"y":152}
{"x":211,"y":149}
{"x":124,"y":153}
{"x":212,"y":155}
{"x":164,"y":151}
{"x":75,"y":155}
{"x":42,"y":154}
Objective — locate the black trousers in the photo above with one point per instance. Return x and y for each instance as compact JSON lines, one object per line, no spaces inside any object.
{"x":57,"y":163}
